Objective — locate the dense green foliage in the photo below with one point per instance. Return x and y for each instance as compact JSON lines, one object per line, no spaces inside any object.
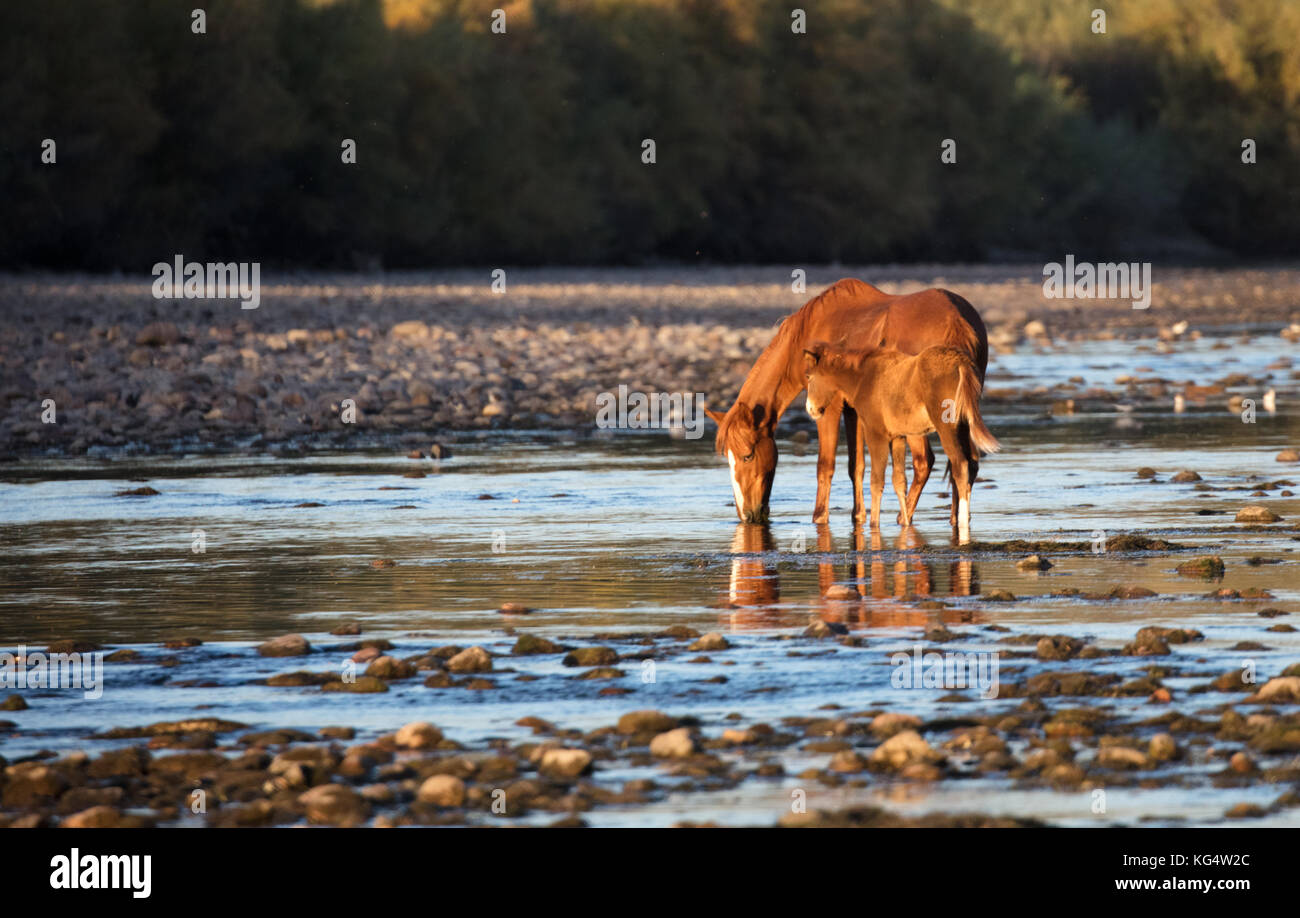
{"x":485,"y":148}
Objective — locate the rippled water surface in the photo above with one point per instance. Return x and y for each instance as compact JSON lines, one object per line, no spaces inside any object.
{"x":633,"y":533}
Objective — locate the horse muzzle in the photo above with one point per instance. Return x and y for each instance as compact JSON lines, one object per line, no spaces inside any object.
{"x":759,"y":515}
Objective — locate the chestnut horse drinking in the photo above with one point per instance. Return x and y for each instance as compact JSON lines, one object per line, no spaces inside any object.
{"x":849,"y":313}
{"x":896,"y":395}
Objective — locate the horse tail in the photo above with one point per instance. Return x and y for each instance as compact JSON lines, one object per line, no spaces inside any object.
{"x":966,"y":333}
{"x":969,"y":389}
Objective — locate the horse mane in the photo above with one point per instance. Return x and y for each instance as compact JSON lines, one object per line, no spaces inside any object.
{"x":788,"y":327}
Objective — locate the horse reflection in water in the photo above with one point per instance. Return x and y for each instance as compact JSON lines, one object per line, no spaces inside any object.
{"x":882,"y":593}
{"x":755,"y":582}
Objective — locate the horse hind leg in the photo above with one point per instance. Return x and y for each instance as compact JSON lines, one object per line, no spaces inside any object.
{"x":972,"y":472}
{"x":922,"y":463}
{"x":960,"y":461}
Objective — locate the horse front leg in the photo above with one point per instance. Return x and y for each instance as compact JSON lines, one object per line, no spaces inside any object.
{"x":857,"y":461}
{"x":827,"y":440}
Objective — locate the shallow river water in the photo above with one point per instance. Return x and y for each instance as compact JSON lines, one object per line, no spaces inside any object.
{"x":635,"y":533}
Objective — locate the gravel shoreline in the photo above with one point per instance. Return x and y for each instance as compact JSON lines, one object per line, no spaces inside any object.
{"x":1074,"y":728}
{"x":432,"y":355}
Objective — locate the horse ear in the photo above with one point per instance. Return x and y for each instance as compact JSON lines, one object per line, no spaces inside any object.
{"x":759,"y":412}
{"x":717,"y":416}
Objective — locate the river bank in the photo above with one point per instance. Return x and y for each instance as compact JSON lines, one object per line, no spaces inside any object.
{"x":95,"y":366}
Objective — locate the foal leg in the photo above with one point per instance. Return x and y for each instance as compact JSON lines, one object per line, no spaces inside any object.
{"x":897,"y":447}
{"x":857,"y":462}
{"x":922,"y":463}
{"x":828,"y":426}
{"x":879,"y":447}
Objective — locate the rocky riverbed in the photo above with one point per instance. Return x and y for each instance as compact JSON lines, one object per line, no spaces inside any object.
{"x":422,"y":356}
{"x":1077,"y":729}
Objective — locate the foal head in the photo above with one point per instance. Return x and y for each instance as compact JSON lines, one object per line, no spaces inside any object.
{"x":822,"y":366}
{"x":745,"y":438}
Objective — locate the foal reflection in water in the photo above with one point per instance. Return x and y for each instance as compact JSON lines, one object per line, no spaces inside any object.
{"x":883,"y":594}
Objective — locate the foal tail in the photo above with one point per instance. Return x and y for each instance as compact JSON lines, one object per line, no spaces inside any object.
{"x":967,"y":401}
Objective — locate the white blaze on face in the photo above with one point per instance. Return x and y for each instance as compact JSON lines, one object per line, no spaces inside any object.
{"x":735,"y":485}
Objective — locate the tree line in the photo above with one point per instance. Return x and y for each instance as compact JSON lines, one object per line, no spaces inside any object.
{"x":887,"y":130}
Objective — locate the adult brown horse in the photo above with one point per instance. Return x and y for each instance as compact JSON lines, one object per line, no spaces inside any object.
{"x":852,"y":314}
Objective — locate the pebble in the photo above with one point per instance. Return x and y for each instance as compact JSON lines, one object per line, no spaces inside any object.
{"x":890,"y":723}
{"x":1257,"y":514}
{"x":739,"y":737}
{"x":334,"y":805}
{"x":847,"y":762}
{"x":470,"y":660}
{"x":529,"y":644}
{"x":98,"y":817}
{"x":418,"y":735}
{"x":1241,"y":763}
{"x":288,"y":645}
{"x":591,"y":656}
{"x":361,"y":685}
{"x":1121,"y":757}
{"x":565,"y":763}
{"x":442,"y":790}
{"x":1162,"y":748}
{"x":386,"y":667}
{"x":674,"y":744}
{"x":819,"y":628}
{"x":904,"y":748}
{"x":1281,"y":688}
{"x":1207,"y":568}
{"x":639,"y":722}
{"x":710,"y":642}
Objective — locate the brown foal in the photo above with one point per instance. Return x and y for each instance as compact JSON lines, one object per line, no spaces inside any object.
{"x":899,"y":396}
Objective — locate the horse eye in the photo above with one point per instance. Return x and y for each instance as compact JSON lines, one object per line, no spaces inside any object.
{"x":749,"y":458}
